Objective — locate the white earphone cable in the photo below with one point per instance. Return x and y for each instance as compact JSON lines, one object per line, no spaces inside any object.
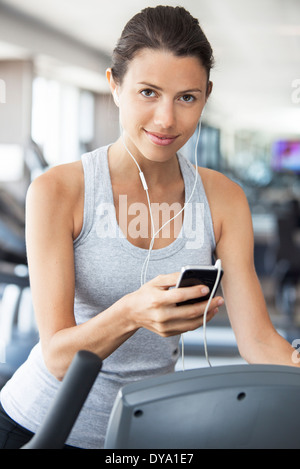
{"x":154,"y":234}
{"x":218,"y":265}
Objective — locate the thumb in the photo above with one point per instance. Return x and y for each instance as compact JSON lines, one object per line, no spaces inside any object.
{"x":165,"y":281}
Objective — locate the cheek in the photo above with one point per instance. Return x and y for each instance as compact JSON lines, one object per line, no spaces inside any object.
{"x":192,"y":120}
{"x":189,"y":125}
{"x":131,"y":116}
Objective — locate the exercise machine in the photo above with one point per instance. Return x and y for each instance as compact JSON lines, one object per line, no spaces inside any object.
{"x":228,"y":407}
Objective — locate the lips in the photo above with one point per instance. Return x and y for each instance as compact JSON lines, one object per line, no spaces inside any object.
{"x":160,"y":139}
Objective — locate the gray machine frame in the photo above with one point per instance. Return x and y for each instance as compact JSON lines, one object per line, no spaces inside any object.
{"x":237,"y":406}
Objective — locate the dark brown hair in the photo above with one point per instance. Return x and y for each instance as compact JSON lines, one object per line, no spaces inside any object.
{"x":167,"y":28}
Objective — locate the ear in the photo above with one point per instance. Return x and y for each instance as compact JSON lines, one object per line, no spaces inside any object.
{"x":113,"y":86}
{"x":209,"y":89}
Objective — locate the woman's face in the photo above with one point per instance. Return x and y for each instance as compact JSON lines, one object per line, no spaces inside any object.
{"x":161,"y":100}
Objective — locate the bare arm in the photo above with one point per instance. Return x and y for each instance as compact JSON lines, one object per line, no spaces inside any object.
{"x":257,"y":339}
{"x":49,"y":239}
{"x":51,"y":226}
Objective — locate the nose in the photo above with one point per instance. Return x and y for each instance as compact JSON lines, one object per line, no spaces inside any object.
{"x":164,"y":116}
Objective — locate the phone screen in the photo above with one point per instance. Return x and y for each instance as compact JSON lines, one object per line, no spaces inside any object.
{"x":191,"y":276}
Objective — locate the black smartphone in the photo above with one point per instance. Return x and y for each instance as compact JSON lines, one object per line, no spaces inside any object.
{"x":199,"y":275}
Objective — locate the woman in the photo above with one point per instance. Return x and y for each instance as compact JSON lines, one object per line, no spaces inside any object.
{"x":89,"y":231}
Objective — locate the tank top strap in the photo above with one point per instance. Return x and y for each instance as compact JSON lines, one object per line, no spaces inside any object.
{"x":94,"y":186}
{"x":199,"y":195}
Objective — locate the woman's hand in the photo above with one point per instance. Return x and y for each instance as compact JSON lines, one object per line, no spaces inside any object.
{"x":154,"y":306}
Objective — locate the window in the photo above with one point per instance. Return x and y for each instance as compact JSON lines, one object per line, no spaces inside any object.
{"x":62,"y":119}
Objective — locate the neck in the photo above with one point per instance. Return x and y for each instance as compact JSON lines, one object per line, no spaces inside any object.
{"x":128,"y":163}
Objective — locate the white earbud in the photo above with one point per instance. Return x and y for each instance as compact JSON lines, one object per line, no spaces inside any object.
{"x":116,"y":98}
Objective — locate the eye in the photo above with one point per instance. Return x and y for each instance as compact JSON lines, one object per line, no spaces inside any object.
{"x":148,"y":93}
{"x":187,"y":98}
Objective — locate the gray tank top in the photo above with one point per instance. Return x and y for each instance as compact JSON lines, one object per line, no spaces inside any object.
{"x":107,"y":267}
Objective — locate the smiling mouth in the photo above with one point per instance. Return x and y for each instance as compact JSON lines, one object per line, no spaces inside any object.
{"x":160,"y":139}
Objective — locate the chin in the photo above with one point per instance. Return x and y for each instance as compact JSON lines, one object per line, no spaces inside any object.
{"x":157,"y":153}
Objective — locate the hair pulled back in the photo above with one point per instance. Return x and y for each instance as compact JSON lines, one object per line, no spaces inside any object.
{"x":163,"y":27}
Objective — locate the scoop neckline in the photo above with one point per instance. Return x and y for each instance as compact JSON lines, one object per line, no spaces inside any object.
{"x":136,"y":251}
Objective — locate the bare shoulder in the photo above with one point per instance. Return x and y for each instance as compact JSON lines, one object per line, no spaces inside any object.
{"x":59,"y":192}
{"x":220,"y":189}
{"x":62,"y":180}
{"x":216,"y":182}
{"x":226,"y":198}
{"x":62,"y":183}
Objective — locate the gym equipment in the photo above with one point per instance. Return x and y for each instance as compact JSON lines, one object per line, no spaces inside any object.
{"x":226,"y":407}
{"x":18,"y":330}
{"x":229,"y":407}
{"x":70,"y":398}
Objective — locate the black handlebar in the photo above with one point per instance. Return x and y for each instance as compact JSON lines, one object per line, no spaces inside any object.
{"x":68,"y":402}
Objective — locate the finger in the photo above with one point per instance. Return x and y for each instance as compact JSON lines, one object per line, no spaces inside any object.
{"x":180,"y":326}
{"x":178,"y":295}
{"x":187,"y":312}
{"x":165,"y":281}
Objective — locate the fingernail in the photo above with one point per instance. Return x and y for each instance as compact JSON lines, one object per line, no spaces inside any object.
{"x":205,"y":290}
{"x":220,"y":302}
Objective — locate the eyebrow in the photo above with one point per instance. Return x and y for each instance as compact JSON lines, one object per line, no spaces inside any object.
{"x":193,"y":90}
